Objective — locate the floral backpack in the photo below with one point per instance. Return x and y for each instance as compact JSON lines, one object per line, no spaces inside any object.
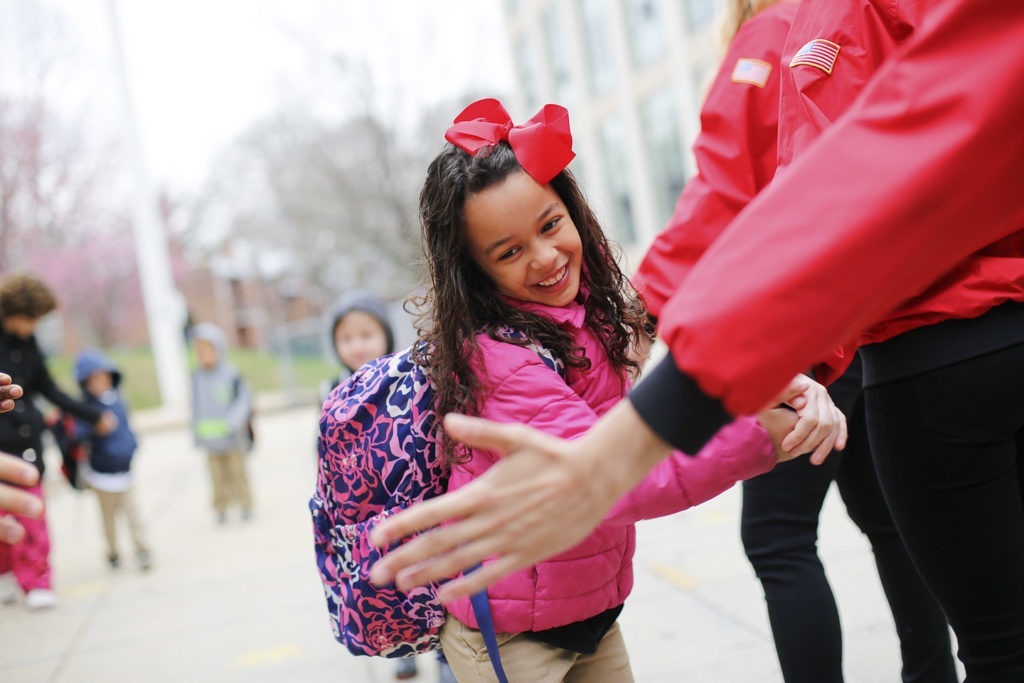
{"x":377,"y":456}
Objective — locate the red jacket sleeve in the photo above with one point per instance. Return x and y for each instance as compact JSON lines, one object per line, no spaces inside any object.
{"x":924,"y":170}
{"x":735,"y":153}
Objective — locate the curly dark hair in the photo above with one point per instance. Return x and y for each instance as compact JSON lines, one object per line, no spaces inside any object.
{"x":25,"y":295}
{"x":461,"y":300}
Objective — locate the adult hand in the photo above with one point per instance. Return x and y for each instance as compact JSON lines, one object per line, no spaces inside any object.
{"x":820,"y":426}
{"x":543,"y":497}
{"x":8,"y":393}
{"x":15,"y":500}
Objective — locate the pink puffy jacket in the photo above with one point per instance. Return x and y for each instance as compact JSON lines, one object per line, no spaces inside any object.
{"x":597,"y":574}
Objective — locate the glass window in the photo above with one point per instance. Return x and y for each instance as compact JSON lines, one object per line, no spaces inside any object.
{"x":648,"y":39}
{"x":703,"y":72}
{"x":558,"y":51}
{"x":526,"y":64}
{"x":663,"y":139}
{"x":699,"y":14}
{"x":597,"y":36}
{"x":617,"y":176}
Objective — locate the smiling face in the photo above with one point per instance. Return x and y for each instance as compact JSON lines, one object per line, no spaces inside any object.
{"x":521,"y":236}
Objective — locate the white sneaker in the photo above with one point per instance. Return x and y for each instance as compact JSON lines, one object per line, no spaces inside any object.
{"x":8,"y":588}
{"x":40,"y":598}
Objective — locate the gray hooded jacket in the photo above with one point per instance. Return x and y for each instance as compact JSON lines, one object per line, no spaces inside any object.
{"x":221,"y":400}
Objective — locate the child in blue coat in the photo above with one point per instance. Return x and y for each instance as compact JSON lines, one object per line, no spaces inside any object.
{"x":108,"y":468}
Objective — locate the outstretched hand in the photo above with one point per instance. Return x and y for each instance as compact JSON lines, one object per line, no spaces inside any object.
{"x":546,"y":494}
{"x":8,"y":393}
{"x":543,"y":497}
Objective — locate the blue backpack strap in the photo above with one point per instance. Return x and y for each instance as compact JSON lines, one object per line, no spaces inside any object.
{"x":482,"y":612}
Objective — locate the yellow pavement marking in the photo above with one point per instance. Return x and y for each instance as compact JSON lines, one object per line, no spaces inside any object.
{"x":673,"y":575}
{"x":716,"y":516}
{"x":84,"y":589}
{"x":261,"y":657}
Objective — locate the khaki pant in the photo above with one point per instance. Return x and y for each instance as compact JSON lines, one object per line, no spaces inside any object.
{"x":230,"y":480}
{"x":529,"y":661}
{"x":111,"y":505}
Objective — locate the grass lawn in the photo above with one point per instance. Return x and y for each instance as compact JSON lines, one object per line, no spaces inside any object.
{"x":262,"y":371}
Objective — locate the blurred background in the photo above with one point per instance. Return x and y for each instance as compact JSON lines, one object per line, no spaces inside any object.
{"x":244,"y":162}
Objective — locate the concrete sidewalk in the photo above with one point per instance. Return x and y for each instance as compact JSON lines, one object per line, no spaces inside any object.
{"x":242,"y":602}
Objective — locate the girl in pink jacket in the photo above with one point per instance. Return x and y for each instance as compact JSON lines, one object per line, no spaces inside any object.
{"x":514,"y":251}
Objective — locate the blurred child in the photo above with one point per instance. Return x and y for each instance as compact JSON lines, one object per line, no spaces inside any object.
{"x":360,"y":331}
{"x":24,"y":300}
{"x":221,"y":411}
{"x":107,"y":470}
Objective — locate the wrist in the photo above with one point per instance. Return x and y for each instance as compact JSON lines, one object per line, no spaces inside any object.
{"x":618,"y":452}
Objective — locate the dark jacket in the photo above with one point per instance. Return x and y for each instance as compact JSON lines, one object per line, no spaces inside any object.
{"x":21,"y":429}
{"x":110,"y":453}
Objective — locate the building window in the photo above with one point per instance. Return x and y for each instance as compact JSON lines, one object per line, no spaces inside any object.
{"x":648,"y":39}
{"x":616,"y":168}
{"x":597,"y":36}
{"x":526,"y":62}
{"x":703,"y":72}
{"x":663,"y":139}
{"x":699,"y":14}
{"x":558,"y":51}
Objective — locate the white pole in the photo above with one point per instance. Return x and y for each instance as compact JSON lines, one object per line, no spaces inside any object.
{"x":165,"y":314}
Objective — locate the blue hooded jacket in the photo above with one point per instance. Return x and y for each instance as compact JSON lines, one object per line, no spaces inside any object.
{"x":110,"y":453}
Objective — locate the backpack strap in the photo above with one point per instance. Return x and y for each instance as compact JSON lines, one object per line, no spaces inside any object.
{"x":482,"y":612}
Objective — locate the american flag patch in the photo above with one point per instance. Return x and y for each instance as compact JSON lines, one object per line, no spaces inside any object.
{"x":819,"y":53}
{"x":752,"y":71}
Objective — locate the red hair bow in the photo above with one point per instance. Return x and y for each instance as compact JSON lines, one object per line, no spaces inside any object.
{"x":542,"y":145}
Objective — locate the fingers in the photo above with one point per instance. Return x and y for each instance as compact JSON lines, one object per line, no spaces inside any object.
{"x":820,"y":428}
{"x":11,"y":531}
{"x":476,"y":432}
{"x":459,"y":559}
{"x":793,"y":394}
{"x":16,"y":471}
{"x":422,"y":516}
{"x":8,"y":393}
{"x":821,"y":453}
{"x":15,"y":500}
{"x":799,"y":435}
{"x":476,"y":581}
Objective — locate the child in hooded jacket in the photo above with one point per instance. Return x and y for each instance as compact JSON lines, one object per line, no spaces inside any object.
{"x":359,"y":332}
{"x":221,"y":414}
{"x":107,"y":471}
{"x":511,"y":244}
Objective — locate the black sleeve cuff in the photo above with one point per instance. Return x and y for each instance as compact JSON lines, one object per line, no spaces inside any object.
{"x":676,"y":409}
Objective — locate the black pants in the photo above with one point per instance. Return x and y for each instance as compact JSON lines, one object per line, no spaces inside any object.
{"x":780,"y":531}
{"x":948,"y":448}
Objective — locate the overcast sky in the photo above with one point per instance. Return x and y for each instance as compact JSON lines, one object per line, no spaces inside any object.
{"x":202,"y":70}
